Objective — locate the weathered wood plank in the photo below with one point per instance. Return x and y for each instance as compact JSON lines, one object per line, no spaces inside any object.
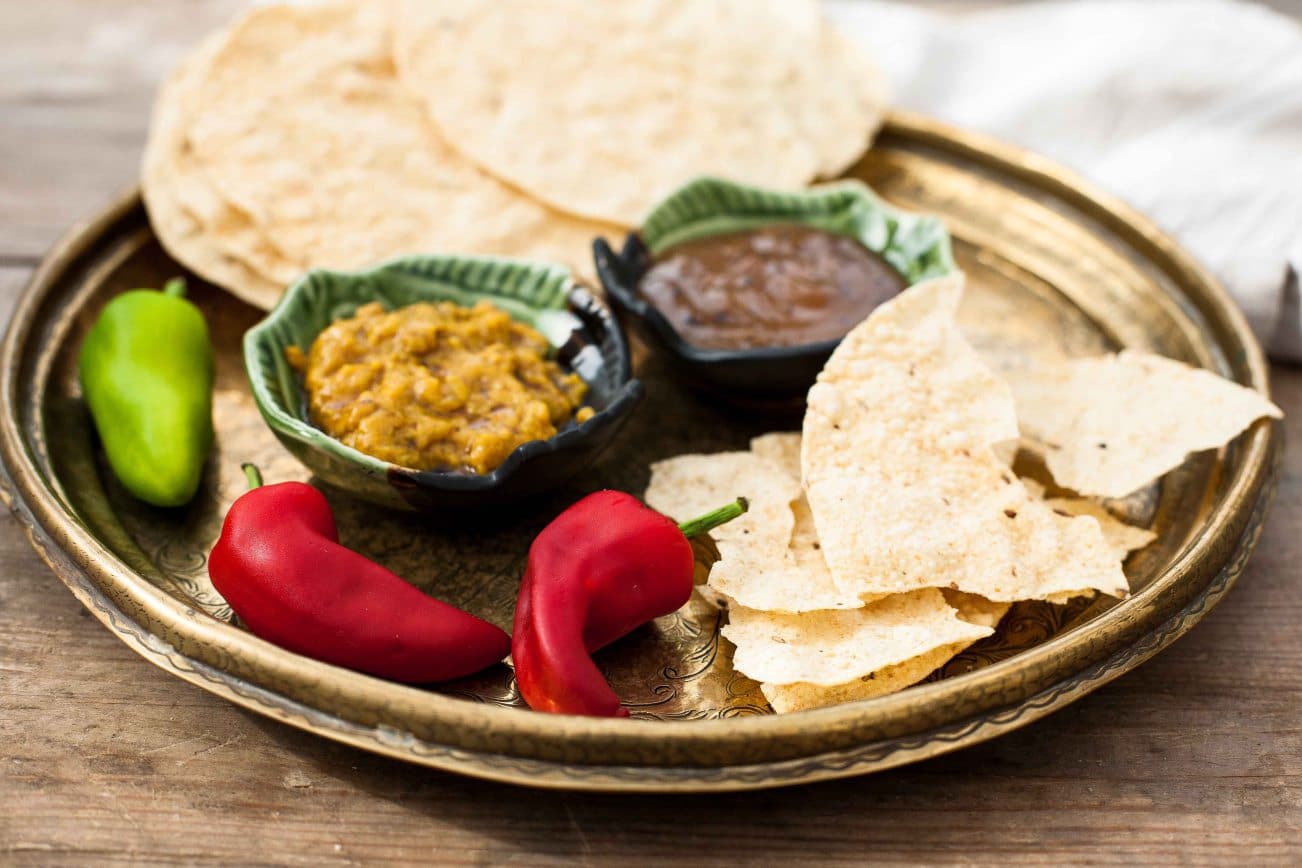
{"x":1196,"y":757}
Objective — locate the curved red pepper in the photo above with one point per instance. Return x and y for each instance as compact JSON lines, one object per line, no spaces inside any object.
{"x":279,"y":565}
{"x":604,"y":567}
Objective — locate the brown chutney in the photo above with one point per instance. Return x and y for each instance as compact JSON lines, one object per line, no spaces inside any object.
{"x":781,"y":285}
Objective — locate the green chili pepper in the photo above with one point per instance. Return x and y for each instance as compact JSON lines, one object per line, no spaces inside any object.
{"x":147,"y":373}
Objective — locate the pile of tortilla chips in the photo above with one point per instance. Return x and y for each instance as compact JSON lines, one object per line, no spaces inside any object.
{"x":339,"y":134}
{"x":891,"y":533}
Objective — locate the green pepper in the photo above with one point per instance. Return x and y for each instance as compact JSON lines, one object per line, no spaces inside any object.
{"x":147,"y":374}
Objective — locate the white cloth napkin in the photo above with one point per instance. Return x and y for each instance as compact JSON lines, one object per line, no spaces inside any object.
{"x":1190,"y":110}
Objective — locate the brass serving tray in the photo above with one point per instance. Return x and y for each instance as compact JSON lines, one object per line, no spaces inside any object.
{"x":1052,"y":266}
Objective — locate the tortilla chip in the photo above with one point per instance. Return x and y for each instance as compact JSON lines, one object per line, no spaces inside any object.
{"x":908,"y":368}
{"x":1109,"y":425}
{"x":795,"y":579}
{"x":1123,"y":538}
{"x":819,"y":591}
{"x":829,"y":647}
{"x":780,"y":447}
{"x":905,"y":487}
{"x":975,"y":609}
{"x":769,"y":558}
{"x":686,"y":486}
{"x":786,"y":698}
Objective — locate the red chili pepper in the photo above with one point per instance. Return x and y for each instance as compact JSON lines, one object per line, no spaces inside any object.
{"x":605,"y":566}
{"x":279,"y":565}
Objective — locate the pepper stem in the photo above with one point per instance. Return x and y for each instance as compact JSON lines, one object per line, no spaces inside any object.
{"x":713,"y":519}
{"x":253,"y":475}
{"x":175,"y":287}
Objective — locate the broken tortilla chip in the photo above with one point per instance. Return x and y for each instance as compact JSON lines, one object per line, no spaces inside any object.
{"x":1122,"y":537}
{"x":770,"y":558}
{"x":786,"y":698}
{"x":780,"y":447}
{"x":976,"y":609}
{"x":794,"y":579}
{"x":829,"y":647}
{"x":686,"y":486}
{"x":1109,"y":425}
{"x":902,"y":479}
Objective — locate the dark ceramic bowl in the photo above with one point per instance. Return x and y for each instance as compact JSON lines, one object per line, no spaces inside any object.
{"x":917,"y":246}
{"x":585,"y":335}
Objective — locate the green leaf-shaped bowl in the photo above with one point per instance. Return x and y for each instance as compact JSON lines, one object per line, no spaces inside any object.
{"x":915,"y":245}
{"x":585,"y":335}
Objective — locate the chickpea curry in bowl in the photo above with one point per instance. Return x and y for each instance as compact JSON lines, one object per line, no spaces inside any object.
{"x":437,"y":386}
{"x":442,"y":381}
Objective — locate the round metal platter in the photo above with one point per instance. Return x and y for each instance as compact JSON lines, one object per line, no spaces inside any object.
{"x":1053,"y":268}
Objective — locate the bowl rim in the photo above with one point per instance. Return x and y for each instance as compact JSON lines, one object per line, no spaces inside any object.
{"x":282,"y":423}
{"x":626,"y":297}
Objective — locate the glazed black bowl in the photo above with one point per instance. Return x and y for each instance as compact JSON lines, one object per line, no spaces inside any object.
{"x":769,"y":375}
{"x":917,"y":246}
{"x":584,"y":334}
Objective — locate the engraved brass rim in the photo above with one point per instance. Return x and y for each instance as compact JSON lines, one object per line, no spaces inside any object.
{"x":546,"y":750}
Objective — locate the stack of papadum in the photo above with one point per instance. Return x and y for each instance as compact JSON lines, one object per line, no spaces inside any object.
{"x":345,"y":133}
{"x":891,"y":533}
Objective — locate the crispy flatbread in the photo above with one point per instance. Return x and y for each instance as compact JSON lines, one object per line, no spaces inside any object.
{"x":601,"y":109}
{"x":830,"y":648}
{"x":802,"y":695}
{"x":297,"y":123}
{"x":1108,"y":425}
{"x":769,"y":558}
{"x":906,"y":489}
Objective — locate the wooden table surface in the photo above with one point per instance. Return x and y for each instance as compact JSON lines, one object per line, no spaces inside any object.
{"x":1195,"y":757}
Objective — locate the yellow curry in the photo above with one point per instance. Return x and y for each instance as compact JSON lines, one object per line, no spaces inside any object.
{"x":436,"y":386}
